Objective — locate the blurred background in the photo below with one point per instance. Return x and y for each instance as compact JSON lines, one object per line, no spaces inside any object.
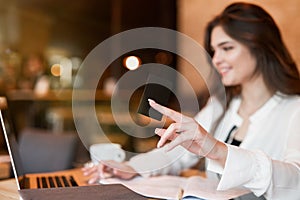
{"x":44,"y":42}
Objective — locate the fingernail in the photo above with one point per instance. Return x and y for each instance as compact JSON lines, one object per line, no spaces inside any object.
{"x":151,"y":101}
{"x":158,"y":145}
{"x":156,"y":130}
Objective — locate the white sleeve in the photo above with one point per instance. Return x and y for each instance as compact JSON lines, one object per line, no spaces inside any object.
{"x":159,"y":162}
{"x":286,"y":174}
{"x":253,"y":170}
{"x":259,"y":173}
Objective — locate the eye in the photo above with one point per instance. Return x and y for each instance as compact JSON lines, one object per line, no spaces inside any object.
{"x":228,"y":48}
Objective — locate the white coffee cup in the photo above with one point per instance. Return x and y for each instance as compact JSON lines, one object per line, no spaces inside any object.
{"x":106,"y":151}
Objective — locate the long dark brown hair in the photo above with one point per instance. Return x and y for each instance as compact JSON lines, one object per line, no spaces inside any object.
{"x":252,"y":26}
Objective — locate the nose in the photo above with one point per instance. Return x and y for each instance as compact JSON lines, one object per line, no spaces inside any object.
{"x":217,"y":58}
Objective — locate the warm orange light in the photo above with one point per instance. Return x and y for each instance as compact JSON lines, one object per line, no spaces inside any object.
{"x":132,"y":62}
{"x":55,"y":70}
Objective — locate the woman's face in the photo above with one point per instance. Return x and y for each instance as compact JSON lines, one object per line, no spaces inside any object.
{"x":232,"y":59}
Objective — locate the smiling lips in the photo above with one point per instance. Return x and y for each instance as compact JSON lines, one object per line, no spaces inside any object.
{"x":224,"y":70}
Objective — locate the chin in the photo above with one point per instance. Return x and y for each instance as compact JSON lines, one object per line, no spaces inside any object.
{"x":226,"y":82}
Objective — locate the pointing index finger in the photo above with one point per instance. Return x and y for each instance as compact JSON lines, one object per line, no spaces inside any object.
{"x":172,"y":114}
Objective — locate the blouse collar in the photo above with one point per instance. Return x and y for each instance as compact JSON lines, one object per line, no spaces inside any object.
{"x":261,"y":112}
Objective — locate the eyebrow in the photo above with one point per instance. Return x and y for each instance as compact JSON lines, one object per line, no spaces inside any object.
{"x":221,"y":44}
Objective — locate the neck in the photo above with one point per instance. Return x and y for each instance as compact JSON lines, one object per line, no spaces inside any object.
{"x":254,"y":96}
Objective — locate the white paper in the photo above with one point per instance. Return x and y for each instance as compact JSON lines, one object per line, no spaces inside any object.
{"x":168,"y":187}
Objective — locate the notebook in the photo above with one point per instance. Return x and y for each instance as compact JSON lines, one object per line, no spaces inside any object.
{"x":67,"y":184}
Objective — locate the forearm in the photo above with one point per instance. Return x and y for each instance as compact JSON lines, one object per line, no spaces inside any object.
{"x":218,"y":153}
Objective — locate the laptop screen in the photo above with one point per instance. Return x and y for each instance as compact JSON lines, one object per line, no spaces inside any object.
{"x":10,"y":139}
{"x":65,"y":144}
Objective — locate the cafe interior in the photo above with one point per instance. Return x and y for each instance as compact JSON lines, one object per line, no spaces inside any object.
{"x":44,"y":44}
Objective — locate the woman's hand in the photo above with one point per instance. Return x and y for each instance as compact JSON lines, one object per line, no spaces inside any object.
{"x":107,"y":169}
{"x":185,"y":131}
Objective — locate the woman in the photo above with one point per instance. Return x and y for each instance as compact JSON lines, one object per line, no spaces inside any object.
{"x":256,"y":140}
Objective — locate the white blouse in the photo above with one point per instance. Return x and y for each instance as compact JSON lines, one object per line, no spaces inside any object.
{"x":268,"y":162}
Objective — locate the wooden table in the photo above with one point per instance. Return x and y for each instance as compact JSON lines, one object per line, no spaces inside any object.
{"x":9,"y":190}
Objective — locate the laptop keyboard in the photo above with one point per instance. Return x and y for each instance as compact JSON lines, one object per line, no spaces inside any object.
{"x":24,"y":182}
{"x":56,"y":181}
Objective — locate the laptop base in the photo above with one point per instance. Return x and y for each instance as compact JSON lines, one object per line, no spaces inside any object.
{"x":94,"y":192}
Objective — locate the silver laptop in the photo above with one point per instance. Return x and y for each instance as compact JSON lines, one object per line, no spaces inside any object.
{"x":26,"y":181}
{"x":66,"y":184}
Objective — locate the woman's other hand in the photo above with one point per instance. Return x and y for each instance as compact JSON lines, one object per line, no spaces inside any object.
{"x":107,"y":169}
